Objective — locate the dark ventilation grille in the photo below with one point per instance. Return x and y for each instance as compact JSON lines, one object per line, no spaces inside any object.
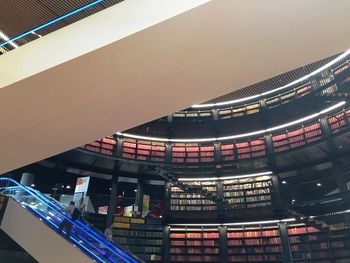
{"x":274,"y":82}
{"x":17,"y":17}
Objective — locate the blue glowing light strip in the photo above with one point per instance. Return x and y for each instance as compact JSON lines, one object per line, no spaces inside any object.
{"x":111,"y":247}
{"x":52,"y":22}
{"x":32,"y":193}
{"x":91,"y":233}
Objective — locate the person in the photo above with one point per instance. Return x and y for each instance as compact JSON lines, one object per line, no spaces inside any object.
{"x":82,"y":207}
{"x":65,"y":224}
{"x":109,"y":232}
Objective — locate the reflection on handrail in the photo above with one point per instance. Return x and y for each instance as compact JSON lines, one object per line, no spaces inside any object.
{"x":18,"y":192}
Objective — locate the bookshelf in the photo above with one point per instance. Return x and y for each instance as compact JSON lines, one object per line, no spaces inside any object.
{"x":243,"y":149}
{"x":142,"y":238}
{"x":105,"y":146}
{"x":250,"y":192}
{"x":238,"y":111}
{"x":192,"y":153}
{"x":181,"y":201}
{"x":295,"y":138}
{"x":338,"y":121}
{"x":195,"y":244}
{"x":288,"y":96}
{"x":201,"y":115}
{"x":259,"y":243}
{"x":341,"y":69}
{"x":309,"y":244}
{"x":143,"y":150}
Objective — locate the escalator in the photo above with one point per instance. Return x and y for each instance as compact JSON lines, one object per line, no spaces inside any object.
{"x":32,"y":220}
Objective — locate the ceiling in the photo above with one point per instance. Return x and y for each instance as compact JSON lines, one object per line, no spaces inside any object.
{"x":17,"y":17}
{"x":93,"y":78}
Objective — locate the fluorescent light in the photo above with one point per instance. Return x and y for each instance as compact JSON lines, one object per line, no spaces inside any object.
{"x":236,"y":136}
{"x":7,"y":39}
{"x":224,"y":177}
{"x":210,"y":105}
{"x":237,"y":224}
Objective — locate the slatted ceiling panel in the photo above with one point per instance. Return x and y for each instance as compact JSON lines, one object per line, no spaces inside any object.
{"x":19,"y":16}
{"x":274,"y":82}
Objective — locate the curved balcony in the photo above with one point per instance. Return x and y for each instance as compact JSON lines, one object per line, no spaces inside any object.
{"x":321,"y":81}
{"x":287,"y":137}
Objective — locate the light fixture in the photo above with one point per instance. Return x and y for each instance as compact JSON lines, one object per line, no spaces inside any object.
{"x":7,"y":39}
{"x":230,"y":137}
{"x":11,"y":41}
{"x":68,"y":187}
{"x":32,"y":185}
{"x":319,"y":184}
{"x":284,"y":182}
{"x":225,"y":177}
{"x":210,"y":105}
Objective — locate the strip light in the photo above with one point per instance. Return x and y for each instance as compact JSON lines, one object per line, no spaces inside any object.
{"x":329,"y":64}
{"x":9,"y":41}
{"x":241,"y":224}
{"x":224,"y":177}
{"x":236,"y":136}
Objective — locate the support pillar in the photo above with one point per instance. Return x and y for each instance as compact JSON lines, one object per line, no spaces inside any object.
{"x":166,"y":244}
{"x":139,"y":195}
{"x":287,"y":255}
{"x":223,"y":250}
{"x":112,"y":200}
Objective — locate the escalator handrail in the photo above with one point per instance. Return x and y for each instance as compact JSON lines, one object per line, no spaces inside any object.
{"x":54,"y":207}
{"x":94,"y":232}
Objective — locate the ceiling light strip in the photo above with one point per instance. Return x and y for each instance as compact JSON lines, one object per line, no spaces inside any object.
{"x":237,"y":136}
{"x":224,"y":177}
{"x":52,"y":22}
{"x":240,"y":224}
{"x":329,"y":64}
{"x":6,"y":38}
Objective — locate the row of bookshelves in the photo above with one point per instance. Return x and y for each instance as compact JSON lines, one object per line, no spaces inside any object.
{"x":144,"y":240}
{"x":321,"y":81}
{"x":238,"y":193}
{"x":260,"y":243}
{"x":191,"y":153}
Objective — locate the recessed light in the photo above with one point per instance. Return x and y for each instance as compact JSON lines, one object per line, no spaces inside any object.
{"x":284,"y":182}
{"x":319,"y":184}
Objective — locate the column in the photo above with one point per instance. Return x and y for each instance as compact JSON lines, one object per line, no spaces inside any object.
{"x":167,"y":201}
{"x":166,"y":244}
{"x":112,"y":200}
{"x":287,"y":256}
{"x":27,"y":179}
{"x":223,"y":250}
{"x":139,"y":195}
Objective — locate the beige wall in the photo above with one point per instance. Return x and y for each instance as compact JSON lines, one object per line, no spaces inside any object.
{"x":149,"y":71}
{"x":42,"y":243}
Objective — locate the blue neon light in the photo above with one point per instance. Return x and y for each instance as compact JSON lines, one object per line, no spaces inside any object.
{"x":111,"y":247}
{"x":54,"y":206}
{"x":52,"y":22}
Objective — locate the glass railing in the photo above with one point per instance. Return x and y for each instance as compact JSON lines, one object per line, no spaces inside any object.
{"x":91,"y":242}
